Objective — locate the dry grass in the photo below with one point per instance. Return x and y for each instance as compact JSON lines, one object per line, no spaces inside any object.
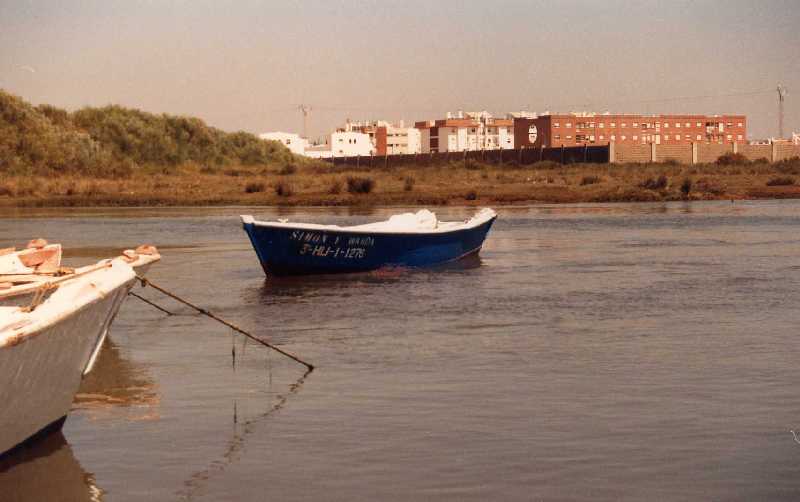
{"x":475,"y":183}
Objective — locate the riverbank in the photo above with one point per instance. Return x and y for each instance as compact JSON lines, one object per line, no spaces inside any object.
{"x":457,"y":183}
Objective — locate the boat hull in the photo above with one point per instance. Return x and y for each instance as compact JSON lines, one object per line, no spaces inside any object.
{"x":43,"y":370}
{"x":298,"y":251}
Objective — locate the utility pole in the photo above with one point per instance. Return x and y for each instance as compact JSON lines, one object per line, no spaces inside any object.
{"x":306,"y":111}
{"x":781,"y":98}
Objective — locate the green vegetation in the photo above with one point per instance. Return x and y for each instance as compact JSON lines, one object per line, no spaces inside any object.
{"x":114,"y":142}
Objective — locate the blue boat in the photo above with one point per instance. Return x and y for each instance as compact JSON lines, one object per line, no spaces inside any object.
{"x":404,"y":240}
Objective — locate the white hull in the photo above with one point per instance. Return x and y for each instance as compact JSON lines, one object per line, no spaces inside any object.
{"x":44,"y":353}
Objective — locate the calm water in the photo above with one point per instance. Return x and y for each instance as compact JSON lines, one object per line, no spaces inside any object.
{"x":595,"y":352}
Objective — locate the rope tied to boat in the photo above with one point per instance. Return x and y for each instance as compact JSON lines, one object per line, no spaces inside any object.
{"x":147,"y":282}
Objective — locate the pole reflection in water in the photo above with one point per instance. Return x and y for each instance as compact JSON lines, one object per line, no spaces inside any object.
{"x":241,"y":430}
{"x":46,"y":470}
{"x":115,"y":382}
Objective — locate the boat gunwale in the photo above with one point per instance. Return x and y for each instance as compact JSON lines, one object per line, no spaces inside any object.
{"x":468,"y":225}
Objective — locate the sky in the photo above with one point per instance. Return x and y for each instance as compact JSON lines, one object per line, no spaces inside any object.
{"x":248,"y":65}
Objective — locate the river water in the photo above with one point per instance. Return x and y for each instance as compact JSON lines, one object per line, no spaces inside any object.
{"x":593,"y":352}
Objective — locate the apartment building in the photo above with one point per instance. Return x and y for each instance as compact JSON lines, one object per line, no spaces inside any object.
{"x":388,"y":138}
{"x":466,"y":132}
{"x":575,"y":129}
{"x":293,"y":142}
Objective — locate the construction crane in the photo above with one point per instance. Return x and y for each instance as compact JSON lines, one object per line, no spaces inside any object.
{"x":781,"y":98}
{"x":306,"y":111}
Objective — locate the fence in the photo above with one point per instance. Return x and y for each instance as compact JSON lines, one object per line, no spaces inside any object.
{"x":699,"y":153}
{"x":690,"y":153}
{"x":519,"y":156}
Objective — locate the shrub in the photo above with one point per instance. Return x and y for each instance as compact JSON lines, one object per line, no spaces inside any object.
{"x":659,"y":183}
{"x":780,"y":181}
{"x":761,"y":160}
{"x":472,"y":164}
{"x":288,"y":169}
{"x":471,"y":195}
{"x":335,"y":188}
{"x":357,"y":184}
{"x":546,"y":164}
{"x":788,"y":166}
{"x":732,"y":159}
{"x":254,"y":187}
{"x":590,"y":180}
{"x":671,"y":162}
{"x":283,"y":189}
{"x":686,"y":186}
{"x":408,"y":184}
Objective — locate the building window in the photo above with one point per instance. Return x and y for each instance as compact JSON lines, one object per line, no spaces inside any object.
{"x":569,"y":137}
{"x":579,"y":137}
{"x":568,"y":124}
{"x":635,"y":124}
{"x":613,"y":124}
{"x":699,"y":137}
{"x":666,"y":137}
{"x":591,"y":138}
{"x":613,"y":137}
{"x":687,"y":125}
{"x":739,"y":137}
{"x":624,"y":124}
{"x":622,"y":137}
{"x":602,"y":125}
{"x":739,"y":124}
{"x":730,"y":136}
{"x":557,"y":137}
{"x":699,"y":124}
{"x":556,"y":125}
{"x":677,"y":124}
{"x":602,"y":137}
{"x":686,"y":136}
{"x":635,"y":138}
{"x":666,"y":124}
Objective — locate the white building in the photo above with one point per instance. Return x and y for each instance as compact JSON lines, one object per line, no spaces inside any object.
{"x":342,"y":144}
{"x":293,"y":142}
{"x":388,"y":138}
{"x":796,"y":138}
{"x":466,"y":132}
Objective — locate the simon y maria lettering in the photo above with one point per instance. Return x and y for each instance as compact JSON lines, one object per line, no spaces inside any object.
{"x":324,"y":245}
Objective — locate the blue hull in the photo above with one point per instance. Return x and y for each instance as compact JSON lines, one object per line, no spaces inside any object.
{"x":297,"y":251}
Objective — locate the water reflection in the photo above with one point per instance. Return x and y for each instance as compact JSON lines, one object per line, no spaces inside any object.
{"x":116,"y":382}
{"x":241,"y":430}
{"x":46,"y":470}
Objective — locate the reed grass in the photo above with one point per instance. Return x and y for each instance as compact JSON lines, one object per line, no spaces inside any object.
{"x":323,"y":184}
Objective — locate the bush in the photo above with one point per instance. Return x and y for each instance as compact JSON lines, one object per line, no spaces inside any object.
{"x":780,"y":181}
{"x":357,"y":184}
{"x":283,"y":189}
{"x":659,"y":183}
{"x":471,"y":195}
{"x":287,"y":170}
{"x":590,"y":180}
{"x":335,"y":188}
{"x":732,"y":159}
{"x":254,"y":187}
{"x":686,"y":186}
{"x":408,"y":184}
{"x":472,"y":164}
{"x":546,"y":164}
{"x":788,"y":166}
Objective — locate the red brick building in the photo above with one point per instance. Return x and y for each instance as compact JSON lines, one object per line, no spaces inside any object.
{"x":588,"y":129}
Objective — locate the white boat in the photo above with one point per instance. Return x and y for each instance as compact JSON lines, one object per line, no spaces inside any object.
{"x":49,"y":343}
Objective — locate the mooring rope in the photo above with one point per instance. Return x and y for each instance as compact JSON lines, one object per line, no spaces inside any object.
{"x":147,"y":282}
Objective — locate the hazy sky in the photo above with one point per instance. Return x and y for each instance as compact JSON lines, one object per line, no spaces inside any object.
{"x":248,"y":64}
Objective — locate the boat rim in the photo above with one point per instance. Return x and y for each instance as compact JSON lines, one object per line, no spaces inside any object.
{"x":485,"y":215}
